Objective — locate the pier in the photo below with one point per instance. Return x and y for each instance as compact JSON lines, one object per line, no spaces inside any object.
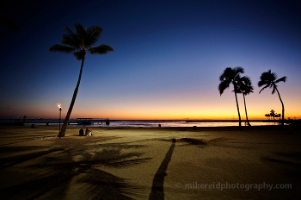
{"x":50,"y":121}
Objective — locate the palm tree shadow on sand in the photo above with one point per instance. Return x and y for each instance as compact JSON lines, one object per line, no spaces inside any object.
{"x":17,"y":159}
{"x":157,"y":191}
{"x":218,"y":142}
{"x":81,"y":165}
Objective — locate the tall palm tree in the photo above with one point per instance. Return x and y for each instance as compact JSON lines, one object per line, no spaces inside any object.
{"x":245,"y":87}
{"x":78,"y":43}
{"x":269,"y":79}
{"x":231,"y":76}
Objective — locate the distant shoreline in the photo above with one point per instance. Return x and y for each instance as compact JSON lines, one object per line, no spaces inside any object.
{"x":140,"y":120}
{"x":145,"y":120}
{"x":148,"y":123}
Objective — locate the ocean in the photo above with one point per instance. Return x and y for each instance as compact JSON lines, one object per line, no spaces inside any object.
{"x":145,"y":124}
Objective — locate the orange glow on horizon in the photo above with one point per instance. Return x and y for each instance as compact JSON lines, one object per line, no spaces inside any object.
{"x":180,"y":116}
{"x":126,"y":115}
{"x":171,"y":108}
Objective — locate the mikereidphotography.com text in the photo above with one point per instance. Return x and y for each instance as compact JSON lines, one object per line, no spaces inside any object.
{"x":232,"y":186}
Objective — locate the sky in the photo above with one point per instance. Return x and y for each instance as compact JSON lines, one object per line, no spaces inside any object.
{"x":167,"y":59}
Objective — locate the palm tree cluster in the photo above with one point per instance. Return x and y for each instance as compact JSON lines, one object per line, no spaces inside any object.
{"x":243,"y":85}
{"x":272,"y":115}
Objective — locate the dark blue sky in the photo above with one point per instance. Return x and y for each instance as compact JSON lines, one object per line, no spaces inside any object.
{"x":167,"y":60}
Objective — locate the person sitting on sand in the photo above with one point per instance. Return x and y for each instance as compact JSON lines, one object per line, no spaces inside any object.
{"x":81,"y":132}
{"x":88,"y":132}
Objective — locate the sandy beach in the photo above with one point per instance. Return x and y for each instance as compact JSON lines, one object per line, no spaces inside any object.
{"x":150,"y":163}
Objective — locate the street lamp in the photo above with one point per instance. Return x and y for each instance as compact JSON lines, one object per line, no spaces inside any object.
{"x":60,"y":109}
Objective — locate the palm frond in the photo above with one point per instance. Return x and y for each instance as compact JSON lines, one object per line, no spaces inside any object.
{"x":69,"y":31}
{"x":238,"y":70}
{"x":72,"y":41}
{"x":61,"y":48}
{"x":264,"y":82}
{"x":79,"y":29}
{"x":236,"y":78}
{"x":264,"y":88}
{"x":245,"y":85}
{"x":222,"y":86}
{"x":246,"y":80}
{"x":222,"y":77}
{"x":228,"y":72}
{"x":102,"y":49}
{"x":269,"y":76}
{"x":80,"y":55}
{"x":247,"y":90}
{"x":71,"y":36}
{"x":81,"y":33}
{"x":274,"y":88}
{"x":93,"y":34}
{"x":281,"y":79}
{"x":238,"y":91}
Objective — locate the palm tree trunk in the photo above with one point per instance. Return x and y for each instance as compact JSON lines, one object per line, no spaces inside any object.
{"x":282,"y":119}
{"x":239,"y":119}
{"x":63,"y":129}
{"x":246,"y":110}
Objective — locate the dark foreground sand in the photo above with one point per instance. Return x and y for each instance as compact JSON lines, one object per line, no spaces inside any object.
{"x":139,"y":163}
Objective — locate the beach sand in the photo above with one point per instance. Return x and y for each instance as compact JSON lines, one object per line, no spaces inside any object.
{"x":150,"y":163}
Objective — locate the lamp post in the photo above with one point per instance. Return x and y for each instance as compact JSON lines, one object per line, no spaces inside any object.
{"x":60,"y":109}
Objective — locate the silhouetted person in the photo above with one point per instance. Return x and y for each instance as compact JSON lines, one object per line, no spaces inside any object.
{"x":81,"y":132}
{"x":88,"y":132}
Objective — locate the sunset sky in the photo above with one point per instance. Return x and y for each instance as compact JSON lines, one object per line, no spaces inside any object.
{"x":168,"y":56}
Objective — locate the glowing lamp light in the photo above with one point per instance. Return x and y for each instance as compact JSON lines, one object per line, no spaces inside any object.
{"x":60,"y":111}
